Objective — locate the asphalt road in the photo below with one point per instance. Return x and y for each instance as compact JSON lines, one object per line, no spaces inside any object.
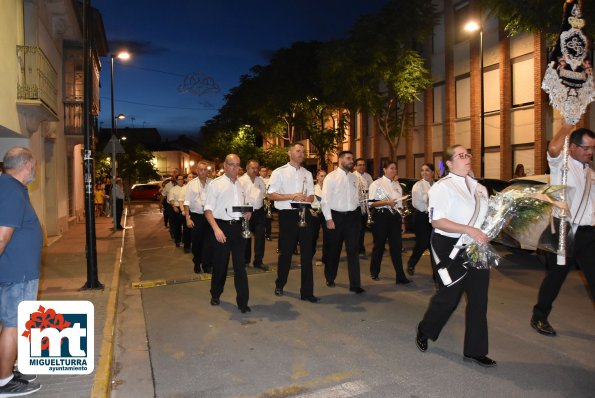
{"x":345,"y":346}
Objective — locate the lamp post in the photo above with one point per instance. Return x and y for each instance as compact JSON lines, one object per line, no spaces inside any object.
{"x":473,"y":26}
{"x":123,"y":56}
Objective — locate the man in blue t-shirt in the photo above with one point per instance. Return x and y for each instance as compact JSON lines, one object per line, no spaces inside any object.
{"x":20,"y":256}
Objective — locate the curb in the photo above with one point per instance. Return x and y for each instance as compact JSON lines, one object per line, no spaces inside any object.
{"x":101,"y":382}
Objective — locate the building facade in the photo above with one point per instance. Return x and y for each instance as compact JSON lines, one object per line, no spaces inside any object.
{"x":41,"y":105}
{"x":518,"y":120}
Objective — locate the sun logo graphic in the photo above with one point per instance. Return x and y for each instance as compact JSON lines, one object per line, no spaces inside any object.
{"x":56,"y":337}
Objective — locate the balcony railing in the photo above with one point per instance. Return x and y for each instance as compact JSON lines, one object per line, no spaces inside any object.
{"x":73,"y":117}
{"x":37,"y":77}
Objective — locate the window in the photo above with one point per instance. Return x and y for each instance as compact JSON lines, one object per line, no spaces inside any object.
{"x":463,"y":96}
{"x":522,"y":80}
{"x":461,"y":18}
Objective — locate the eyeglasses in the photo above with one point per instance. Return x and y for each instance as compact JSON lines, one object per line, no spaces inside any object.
{"x":462,"y":155}
{"x":586,"y":147}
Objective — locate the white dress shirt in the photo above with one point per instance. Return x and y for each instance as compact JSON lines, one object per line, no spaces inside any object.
{"x":196,"y":194}
{"x":340,"y":192}
{"x":177,"y":195}
{"x":419,"y":195}
{"x":450,"y":198}
{"x":165,"y":189}
{"x":383,"y":187}
{"x":361,"y":179}
{"x":289,"y":180}
{"x":222,"y":195}
{"x":317,"y":196}
{"x":255,"y":191}
{"x":575,"y":181}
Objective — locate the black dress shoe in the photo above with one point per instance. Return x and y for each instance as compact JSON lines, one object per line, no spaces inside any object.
{"x":261,"y":266}
{"x":357,"y":290}
{"x":278,"y":292}
{"x":543,"y":327}
{"x":215,"y":301}
{"x":197,"y":269}
{"x":421,"y":341}
{"x":375,"y":277}
{"x":312,"y":299}
{"x":410,"y":271}
{"x":245,"y":309}
{"x":403,"y":281}
{"x":187,"y":250}
{"x":208,"y":270}
{"x":330,"y":283}
{"x":482,"y":361}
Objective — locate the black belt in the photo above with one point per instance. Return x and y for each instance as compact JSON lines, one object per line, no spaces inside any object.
{"x":346,"y":212}
{"x":229,"y":221}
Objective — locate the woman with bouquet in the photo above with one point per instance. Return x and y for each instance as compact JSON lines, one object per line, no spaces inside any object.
{"x":458,"y":205}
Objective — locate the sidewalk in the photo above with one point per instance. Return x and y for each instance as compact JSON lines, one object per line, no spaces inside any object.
{"x":63,"y":273}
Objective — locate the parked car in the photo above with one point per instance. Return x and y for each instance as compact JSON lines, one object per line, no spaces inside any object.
{"x":494,"y":185}
{"x":144,"y":192}
{"x":539,"y":179}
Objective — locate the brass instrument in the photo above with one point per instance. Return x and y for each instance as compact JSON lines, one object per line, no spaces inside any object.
{"x":302,"y":222}
{"x":268,"y":205}
{"x":246,"y":234}
{"x":364,"y":203}
{"x":394,"y":209}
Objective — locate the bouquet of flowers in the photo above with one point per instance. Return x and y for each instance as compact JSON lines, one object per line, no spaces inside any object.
{"x":521,"y":212}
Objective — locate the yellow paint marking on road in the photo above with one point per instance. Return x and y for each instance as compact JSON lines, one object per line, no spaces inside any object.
{"x":198,"y":278}
{"x":294,"y":389}
{"x":101,"y":382}
{"x":299,"y":369}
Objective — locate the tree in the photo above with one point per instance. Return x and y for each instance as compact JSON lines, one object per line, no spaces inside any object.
{"x":537,"y":15}
{"x":324,"y":126}
{"x":377,"y":70}
{"x":135,"y":165}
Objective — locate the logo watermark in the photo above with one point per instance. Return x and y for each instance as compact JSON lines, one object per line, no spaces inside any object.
{"x":56,"y":337}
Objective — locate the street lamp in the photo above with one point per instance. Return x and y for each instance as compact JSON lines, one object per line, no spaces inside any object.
{"x":474,"y":26}
{"x":123,"y":55}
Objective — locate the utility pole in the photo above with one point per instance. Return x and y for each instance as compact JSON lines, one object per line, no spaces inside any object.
{"x":88,"y":161}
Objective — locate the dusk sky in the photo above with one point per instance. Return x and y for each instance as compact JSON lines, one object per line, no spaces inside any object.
{"x":213,"y":41}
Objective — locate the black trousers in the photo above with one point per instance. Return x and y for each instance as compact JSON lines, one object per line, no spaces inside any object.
{"x":186,"y":234}
{"x":317,"y":222}
{"x":362,"y":232}
{"x":202,"y":242}
{"x":268,"y":226}
{"x":175,"y":223}
{"x":423,"y":231}
{"x":446,"y":299}
{"x":289,"y":235}
{"x":582,"y":255}
{"x":257,"y":226}
{"x":166,"y":211}
{"x":119,"y":211}
{"x":347,"y":227}
{"x":387,"y":226}
{"x":234,"y":245}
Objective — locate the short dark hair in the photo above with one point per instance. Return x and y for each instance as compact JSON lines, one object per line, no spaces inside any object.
{"x":577,"y":135}
{"x":387,"y":163}
{"x":358,"y":159}
{"x":252,"y":161}
{"x":343,"y":153}
{"x":429,"y":165}
{"x":294,"y":144}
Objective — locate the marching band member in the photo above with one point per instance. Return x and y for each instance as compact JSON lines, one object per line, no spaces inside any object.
{"x":458,"y":205}
{"x":202,"y":234}
{"x":223,"y":193}
{"x":421,"y":222}
{"x":264,"y":174}
{"x":293,"y":183}
{"x":364,"y":180}
{"x":255,"y":189}
{"x":318,"y":219}
{"x":174,"y":197}
{"x":387,"y":221}
{"x":341,"y":208}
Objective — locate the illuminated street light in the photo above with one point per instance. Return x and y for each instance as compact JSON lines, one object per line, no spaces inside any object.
{"x":122,"y":55}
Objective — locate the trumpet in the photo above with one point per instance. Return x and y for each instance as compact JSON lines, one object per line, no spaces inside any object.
{"x":268,"y":205}
{"x":302,"y":222}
